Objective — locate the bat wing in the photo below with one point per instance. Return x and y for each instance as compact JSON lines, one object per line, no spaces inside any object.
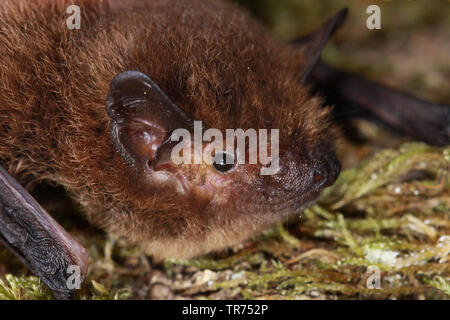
{"x":38,"y":240}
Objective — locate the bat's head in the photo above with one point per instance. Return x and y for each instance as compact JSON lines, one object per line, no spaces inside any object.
{"x":244,"y":145}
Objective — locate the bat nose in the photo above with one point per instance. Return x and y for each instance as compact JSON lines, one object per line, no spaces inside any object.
{"x":325,"y":172}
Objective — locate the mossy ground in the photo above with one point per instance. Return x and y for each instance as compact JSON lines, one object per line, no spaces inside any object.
{"x":388,"y":212}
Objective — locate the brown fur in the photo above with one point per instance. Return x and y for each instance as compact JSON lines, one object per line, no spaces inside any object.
{"x":209,"y":57}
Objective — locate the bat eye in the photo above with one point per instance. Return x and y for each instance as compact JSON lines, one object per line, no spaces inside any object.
{"x":223,"y":161}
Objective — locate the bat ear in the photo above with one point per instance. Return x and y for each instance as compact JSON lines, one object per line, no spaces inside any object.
{"x":142,"y":116}
{"x":313,"y":43}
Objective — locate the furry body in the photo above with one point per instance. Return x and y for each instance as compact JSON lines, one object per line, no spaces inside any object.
{"x":209,"y":57}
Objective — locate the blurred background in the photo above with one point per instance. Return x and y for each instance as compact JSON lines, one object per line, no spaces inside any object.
{"x":410,"y":52}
